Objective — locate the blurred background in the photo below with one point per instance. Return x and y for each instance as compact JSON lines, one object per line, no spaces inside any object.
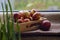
{"x":54,"y":17}
{"x":34,"y":4}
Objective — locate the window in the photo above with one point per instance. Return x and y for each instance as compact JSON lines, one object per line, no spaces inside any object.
{"x":3,"y":1}
{"x":37,"y":4}
{"x":34,"y":4}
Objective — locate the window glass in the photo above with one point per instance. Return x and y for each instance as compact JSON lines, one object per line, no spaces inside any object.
{"x":34,"y":4}
{"x":5,"y":1}
{"x":37,"y":4}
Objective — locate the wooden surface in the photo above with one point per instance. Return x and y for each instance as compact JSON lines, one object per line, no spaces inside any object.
{"x":54,"y":32}
{"x":42,"y":38}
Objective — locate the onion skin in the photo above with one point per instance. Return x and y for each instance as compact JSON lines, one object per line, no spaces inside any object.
{"x":26,"y":20}
{"x":45,"y":25}
{"x":16,"y":17}
{"x":20,"y":21}
{"x":36,"y":16}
